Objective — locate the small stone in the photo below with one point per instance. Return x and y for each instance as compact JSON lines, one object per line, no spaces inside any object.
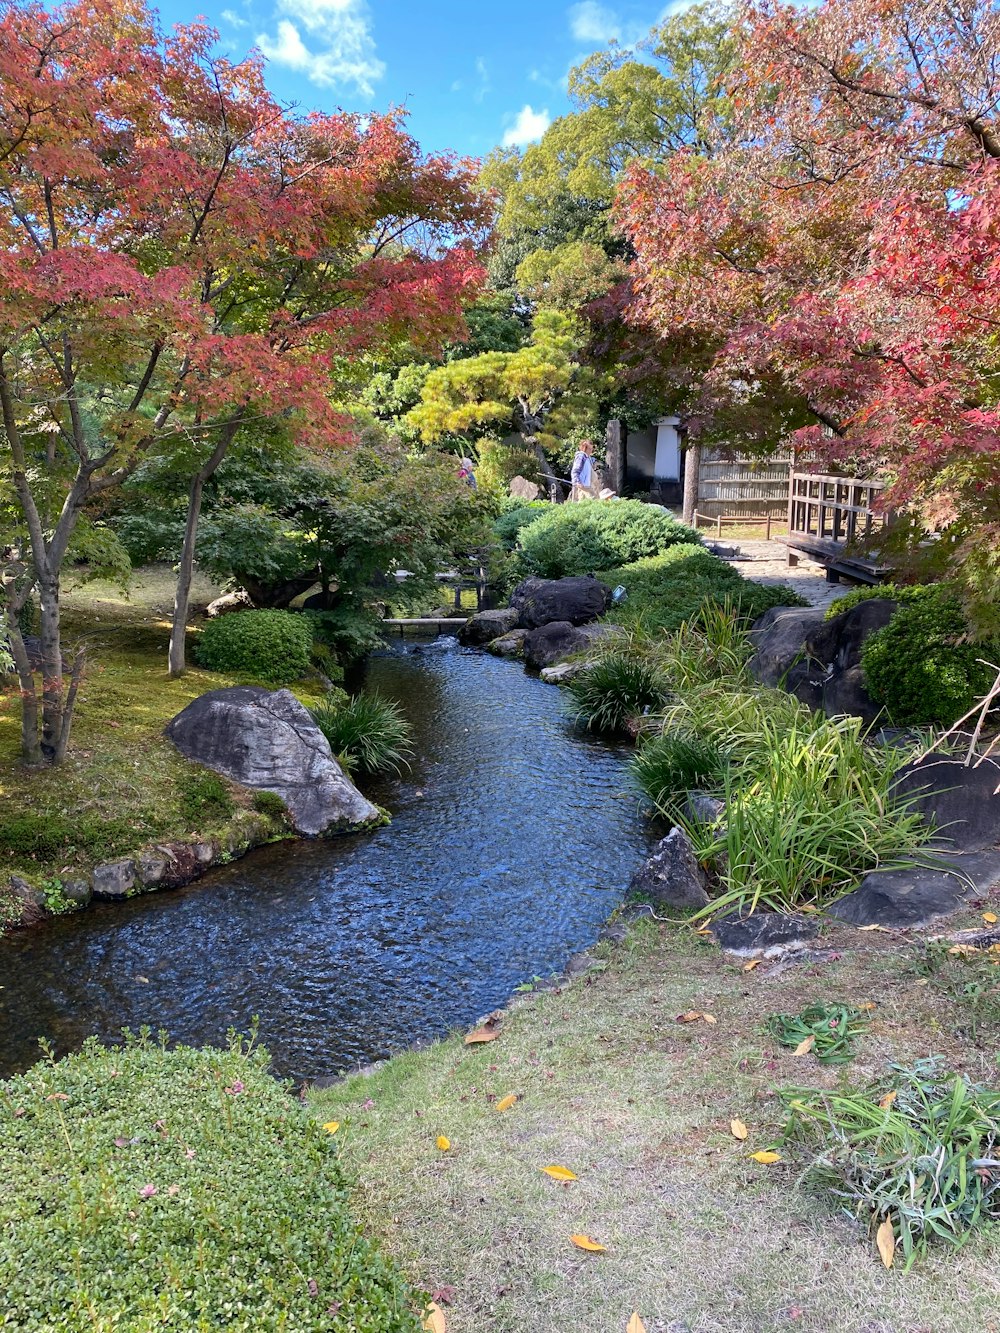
{"x":204,"y":853}
{"x":486,"y":626}
{"x":77,"y":890}
{"x":151,"y":868}
{"x":700,"y":808}
{"x":508,"y":645}
{"x":116,"y":879}
{"x":29,"y":895}
{"x":562,"y":672}
{"x":764,"y":934}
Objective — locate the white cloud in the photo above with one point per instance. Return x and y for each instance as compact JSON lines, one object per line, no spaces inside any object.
{"x":233,"y":20}
{"x":593,"y":22}
{"x":529,"y":126}
{"x":484,"y":86}
{"x":340,"y":50}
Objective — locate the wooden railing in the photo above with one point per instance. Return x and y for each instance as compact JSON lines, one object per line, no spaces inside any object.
{"x":832,"y":512}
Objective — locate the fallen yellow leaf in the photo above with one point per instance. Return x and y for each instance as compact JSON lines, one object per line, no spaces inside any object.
{"x":990,"y":918}
{"x":434,"y":1321}
{"x":332,"y":1126}
{"x":754,"y":962}
{"x":804,"y":1047}
{"x":559,"y":1172}
{"x":885,"y":929}
{"x":505,"y":1103}
{"x":583,"y":1242}
{"x":443,"y":1143}
{"x":867,"y":1006}
{"x":963,"y":950}
{"x":635,"y":1324}
{"x":691,"y":1016}
{"x":481,"y":1035}
{"x":738,"y":1129}
{"x":765,"y":1158}
{"x":710,"y":1018}
{"x":885,"y":1239}
{"x":886,"y":1101}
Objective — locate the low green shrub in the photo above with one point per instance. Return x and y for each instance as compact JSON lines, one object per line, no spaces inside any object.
{"x":894,"y":592}
{"x":269,"y":803}
{"x":666,"y":590}
{"x":921,"y":665}
{"x":204,"y":797}
{"x":587,"y":537}
{"x":26,"y":836}
{"x":617,"y":687}
{"x":270,"y":646}
{"x":919,"y":1148}
{"x":149,"y":1189}
{"x":348,"y":631}
{"x":368,"y":733}
{"x":667,"y":767}
{"x":511,"y":524}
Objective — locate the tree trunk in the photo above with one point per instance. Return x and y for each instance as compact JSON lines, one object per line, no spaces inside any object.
{"x":176,"y":656}
{"x":692,"y":467}
{"x":31,"y":747}
{"x":52,"y":670}
{"x":545,"y":469}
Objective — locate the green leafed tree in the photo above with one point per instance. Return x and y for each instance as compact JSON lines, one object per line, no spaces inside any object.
{"x":540,"y":392}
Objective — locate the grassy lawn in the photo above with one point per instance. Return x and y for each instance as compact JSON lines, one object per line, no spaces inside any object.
{"x":700,"y":1239}
{"x":123,"y":785}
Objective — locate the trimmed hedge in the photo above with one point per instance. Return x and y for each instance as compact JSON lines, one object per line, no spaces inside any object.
{"x":669,"y":589}
{"x":271,"y":646}
{"x":508,"y":526}
{"x":586,"y":537}
{"x":147,"y":1189}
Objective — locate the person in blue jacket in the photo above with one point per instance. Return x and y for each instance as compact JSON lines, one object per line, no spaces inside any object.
{"x":582,"y":473}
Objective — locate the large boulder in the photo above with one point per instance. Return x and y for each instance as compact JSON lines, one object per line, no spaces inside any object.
{"x":485,"y":626}
{"x":672,"y":876}
{"x":559,"y":640}
{"x":917,"y":895}
{"x":267,"y":740}
{"x":846,"y":691}
{"x":837,"y":642}
{"x":779,"y":639}
{"x":962,"y":803}
{"x":576,"y":600}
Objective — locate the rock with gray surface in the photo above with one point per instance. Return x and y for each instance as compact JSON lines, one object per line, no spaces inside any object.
{"x":267,"y":740}
{"x":485,"y":626}
{"x":509,"y":645}
{"x":838,"y":641}
{"x":963,"y":803}
{"x":672,"y":876}
{"x":576,"y":600}
{"x":555,"y":642}
{"x":917,"y":895}
{"x":114,"y":880}
{"x":779,"y":639}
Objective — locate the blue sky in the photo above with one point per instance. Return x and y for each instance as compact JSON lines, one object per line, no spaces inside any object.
{"x":472,"y":75}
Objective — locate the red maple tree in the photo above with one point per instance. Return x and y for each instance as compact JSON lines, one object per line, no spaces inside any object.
{"x":833,"y":271}
{"x":179,"y":255}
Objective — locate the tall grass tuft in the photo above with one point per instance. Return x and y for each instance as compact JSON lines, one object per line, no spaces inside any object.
{"x":368,"y":733}
{"x":617,"y":687}
{"x":920,"y":1149}
{"x":667,"y":767}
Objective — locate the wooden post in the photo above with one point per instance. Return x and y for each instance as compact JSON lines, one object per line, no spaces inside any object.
{"x":692,"y":467}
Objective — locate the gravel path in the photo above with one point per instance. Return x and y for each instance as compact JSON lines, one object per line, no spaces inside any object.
{"x":767,"y":562}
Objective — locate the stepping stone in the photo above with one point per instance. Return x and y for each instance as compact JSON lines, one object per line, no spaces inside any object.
{"x":917,"y":895}
{"x":765,"y":933}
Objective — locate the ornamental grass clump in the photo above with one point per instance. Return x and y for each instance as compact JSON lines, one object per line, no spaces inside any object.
{"x":919,"y":1150}
{"x":614,"y":689}
{"x":368,"y":733}
{"x":148,"y":1189}
{"x":667,"y":767}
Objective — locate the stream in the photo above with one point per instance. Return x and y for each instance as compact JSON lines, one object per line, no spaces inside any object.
{"x":513,"y":837}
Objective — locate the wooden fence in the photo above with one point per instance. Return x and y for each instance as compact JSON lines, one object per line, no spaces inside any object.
{"x":742,"y":487}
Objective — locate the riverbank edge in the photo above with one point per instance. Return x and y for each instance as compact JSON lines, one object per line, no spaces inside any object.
{"x":152,"y":869}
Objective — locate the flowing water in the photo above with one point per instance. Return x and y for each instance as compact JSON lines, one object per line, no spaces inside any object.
{"x":512,"y":839}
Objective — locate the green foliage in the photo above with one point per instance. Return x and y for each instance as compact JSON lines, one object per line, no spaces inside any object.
{"x":349,"y":631}
{"x":271,"y":646}
{"x":269,"y":803}
{"x":832,"y":1029}
{"x":45,"y":837}
{"x":921,"y":665}
{"x":204,"y":798}
{"x":667,"y":590}
{"x":497,"y":466}
{"x":509,"y":525}
{"x":614,"y":689}
{"x":178,"y":1189}
{"x":919,"y":1147}
{"x":809,"y":810}
{"x":368,"y":734}
{"x":586,"y":537}
{"x":894,"y":592}
{"x":667,"y":767}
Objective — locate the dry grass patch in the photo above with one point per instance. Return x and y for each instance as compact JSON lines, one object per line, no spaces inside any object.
{"x":699,"y":1237}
